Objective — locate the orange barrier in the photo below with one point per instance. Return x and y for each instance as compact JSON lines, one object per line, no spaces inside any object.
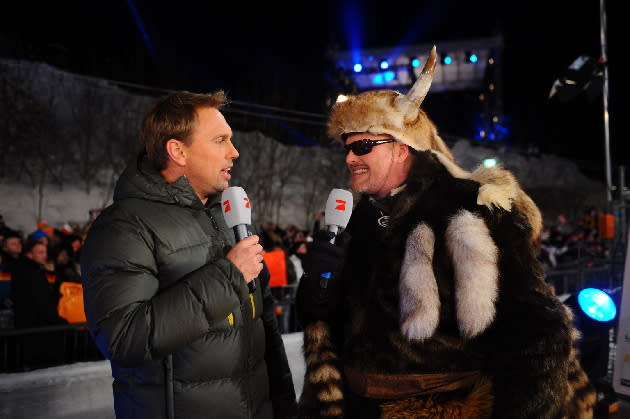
{"x":606,"y":226}
{"x":70,"y":305}
{"x":276,"y":262}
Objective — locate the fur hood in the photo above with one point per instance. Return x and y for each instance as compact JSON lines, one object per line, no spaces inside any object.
{"x":391,"y":112}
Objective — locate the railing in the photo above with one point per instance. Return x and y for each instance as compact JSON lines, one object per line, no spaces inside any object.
{"x":285,"y":308}
{"x":26,"y":349}
{"x":573,"y":277}
{"x":77,"y":344}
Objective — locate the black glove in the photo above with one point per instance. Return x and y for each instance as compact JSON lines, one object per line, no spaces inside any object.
{"x":323,"y":256}
{"x":319,"y":296}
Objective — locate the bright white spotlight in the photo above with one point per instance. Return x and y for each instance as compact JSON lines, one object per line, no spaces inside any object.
{"x":384,"y":64}
{"x":489,"y":162}
{"x":597,"y":305}
{"x":341,"y":98}
{"x":358,"y":68}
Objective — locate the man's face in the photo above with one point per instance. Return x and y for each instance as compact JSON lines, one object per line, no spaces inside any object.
{"x":371,"y":173}
{"x":13,"y":246}
{"x":210,"y":153}
{"x":38,"y":254}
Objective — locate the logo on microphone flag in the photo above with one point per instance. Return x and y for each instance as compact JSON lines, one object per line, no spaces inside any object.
{"x":228,"y":207}
{"x":341,"y":206}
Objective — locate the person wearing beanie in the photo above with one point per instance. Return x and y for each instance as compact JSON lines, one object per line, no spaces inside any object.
{"x":435,"y":303}
{"x":39,"y":236}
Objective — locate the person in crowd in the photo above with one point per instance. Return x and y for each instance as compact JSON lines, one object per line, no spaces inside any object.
{"x":35,"y":306}
{"x":296,"y":254}
{"x":169,"y":296}
{"x":63,"y":267}
{"x":11,"y":249}
{"x":563,"y":226}
{"x":318,"y":222}
{"x":271,"y":236}
{"x":39,"y":236}
{"x":435,"y":303}
{"x":33,"y":295}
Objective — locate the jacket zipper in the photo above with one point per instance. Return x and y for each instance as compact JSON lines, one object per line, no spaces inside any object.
{"x":214,"y":223}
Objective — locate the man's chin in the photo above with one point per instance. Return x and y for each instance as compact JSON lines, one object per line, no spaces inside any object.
{"x":362,"y":189}
{"x":221,"y":187}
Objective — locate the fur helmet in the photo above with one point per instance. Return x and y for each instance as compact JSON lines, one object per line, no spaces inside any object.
{"x":391,"y":112}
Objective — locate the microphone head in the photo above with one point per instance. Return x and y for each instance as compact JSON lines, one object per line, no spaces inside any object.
{"x":338,"y":208}
{"x":236,"y":207}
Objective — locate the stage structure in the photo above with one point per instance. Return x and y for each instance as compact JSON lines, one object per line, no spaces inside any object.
{"x":466,"y":65}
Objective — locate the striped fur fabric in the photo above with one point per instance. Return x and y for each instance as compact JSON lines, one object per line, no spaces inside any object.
{"x":322,"y":395}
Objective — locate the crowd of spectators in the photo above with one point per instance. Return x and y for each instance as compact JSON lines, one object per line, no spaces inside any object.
{"x":284,"y":249}
{"x":33,"y":270}
{"x":566,"y":243}
{"x":34,"y":266}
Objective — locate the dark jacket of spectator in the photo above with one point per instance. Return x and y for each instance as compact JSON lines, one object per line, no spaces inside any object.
{"x":35,"y":304}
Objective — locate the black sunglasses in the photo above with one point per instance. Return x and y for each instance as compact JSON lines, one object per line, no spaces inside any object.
{"x":364,"y":146}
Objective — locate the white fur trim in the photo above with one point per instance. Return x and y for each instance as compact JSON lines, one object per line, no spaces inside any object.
{"x":419,"y":297}
{"x":474,"y":257}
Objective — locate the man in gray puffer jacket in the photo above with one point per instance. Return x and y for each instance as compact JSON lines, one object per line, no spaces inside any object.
{"x":166,"y":286}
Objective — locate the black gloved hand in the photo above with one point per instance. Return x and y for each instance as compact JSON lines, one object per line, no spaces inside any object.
{"x":323,"y":256}
{"x":319,"y":297}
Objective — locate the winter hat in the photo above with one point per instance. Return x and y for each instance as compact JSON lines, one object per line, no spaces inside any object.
{"x":391,"y":112}
{"x":43,"y":226}
{"x":37,"y":234}
{"x":66,"y":229}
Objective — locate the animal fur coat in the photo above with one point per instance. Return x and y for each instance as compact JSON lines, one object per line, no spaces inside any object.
{"x":445,"y":285}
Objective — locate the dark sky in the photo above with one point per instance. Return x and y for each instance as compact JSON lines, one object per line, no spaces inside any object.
{"x":273,"y":54}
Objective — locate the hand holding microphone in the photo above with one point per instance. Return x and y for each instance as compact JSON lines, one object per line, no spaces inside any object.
{"x":319,"y":293}
{"x":327,"y":251}
{"x":246,"y":255}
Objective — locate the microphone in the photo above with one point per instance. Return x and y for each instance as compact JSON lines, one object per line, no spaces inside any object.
{"x":336,"y":216}
{"x":237,"y":212}
{"x":338,"y":211}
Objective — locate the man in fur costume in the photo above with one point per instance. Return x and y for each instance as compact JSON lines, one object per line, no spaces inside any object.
{"x":438,"y":307}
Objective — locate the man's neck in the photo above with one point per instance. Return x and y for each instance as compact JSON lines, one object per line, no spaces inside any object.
{"x":387,"y":201}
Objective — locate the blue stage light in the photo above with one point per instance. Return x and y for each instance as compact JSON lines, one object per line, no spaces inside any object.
{"x":473,"y":58}
{"x":358,"y":68}
{"x":597,"y":304}
{"x":415,"y":63}
{"x":384,"y":65}
{"x":447,"y":59}
{"x":384,"y":77}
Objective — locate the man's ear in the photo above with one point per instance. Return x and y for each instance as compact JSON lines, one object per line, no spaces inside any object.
{"x":402,"y":152}
{"x":176,"y":152}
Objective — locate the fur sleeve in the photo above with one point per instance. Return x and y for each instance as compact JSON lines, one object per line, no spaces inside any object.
{"x":531,"y":343}
{"x":322,"y":395}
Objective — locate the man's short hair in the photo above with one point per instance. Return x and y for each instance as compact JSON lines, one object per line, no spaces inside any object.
{"x":173,"y":117}
{"x":30,"y":245}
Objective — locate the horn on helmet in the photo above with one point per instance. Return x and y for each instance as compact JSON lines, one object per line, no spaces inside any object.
{"x":420,"y":88}
{"x":408,"y":104}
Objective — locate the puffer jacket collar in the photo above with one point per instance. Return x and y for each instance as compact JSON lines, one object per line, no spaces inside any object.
{"x":141,"y":180}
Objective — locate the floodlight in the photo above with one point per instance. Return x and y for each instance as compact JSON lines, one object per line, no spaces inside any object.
{"x":597,"y":304}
